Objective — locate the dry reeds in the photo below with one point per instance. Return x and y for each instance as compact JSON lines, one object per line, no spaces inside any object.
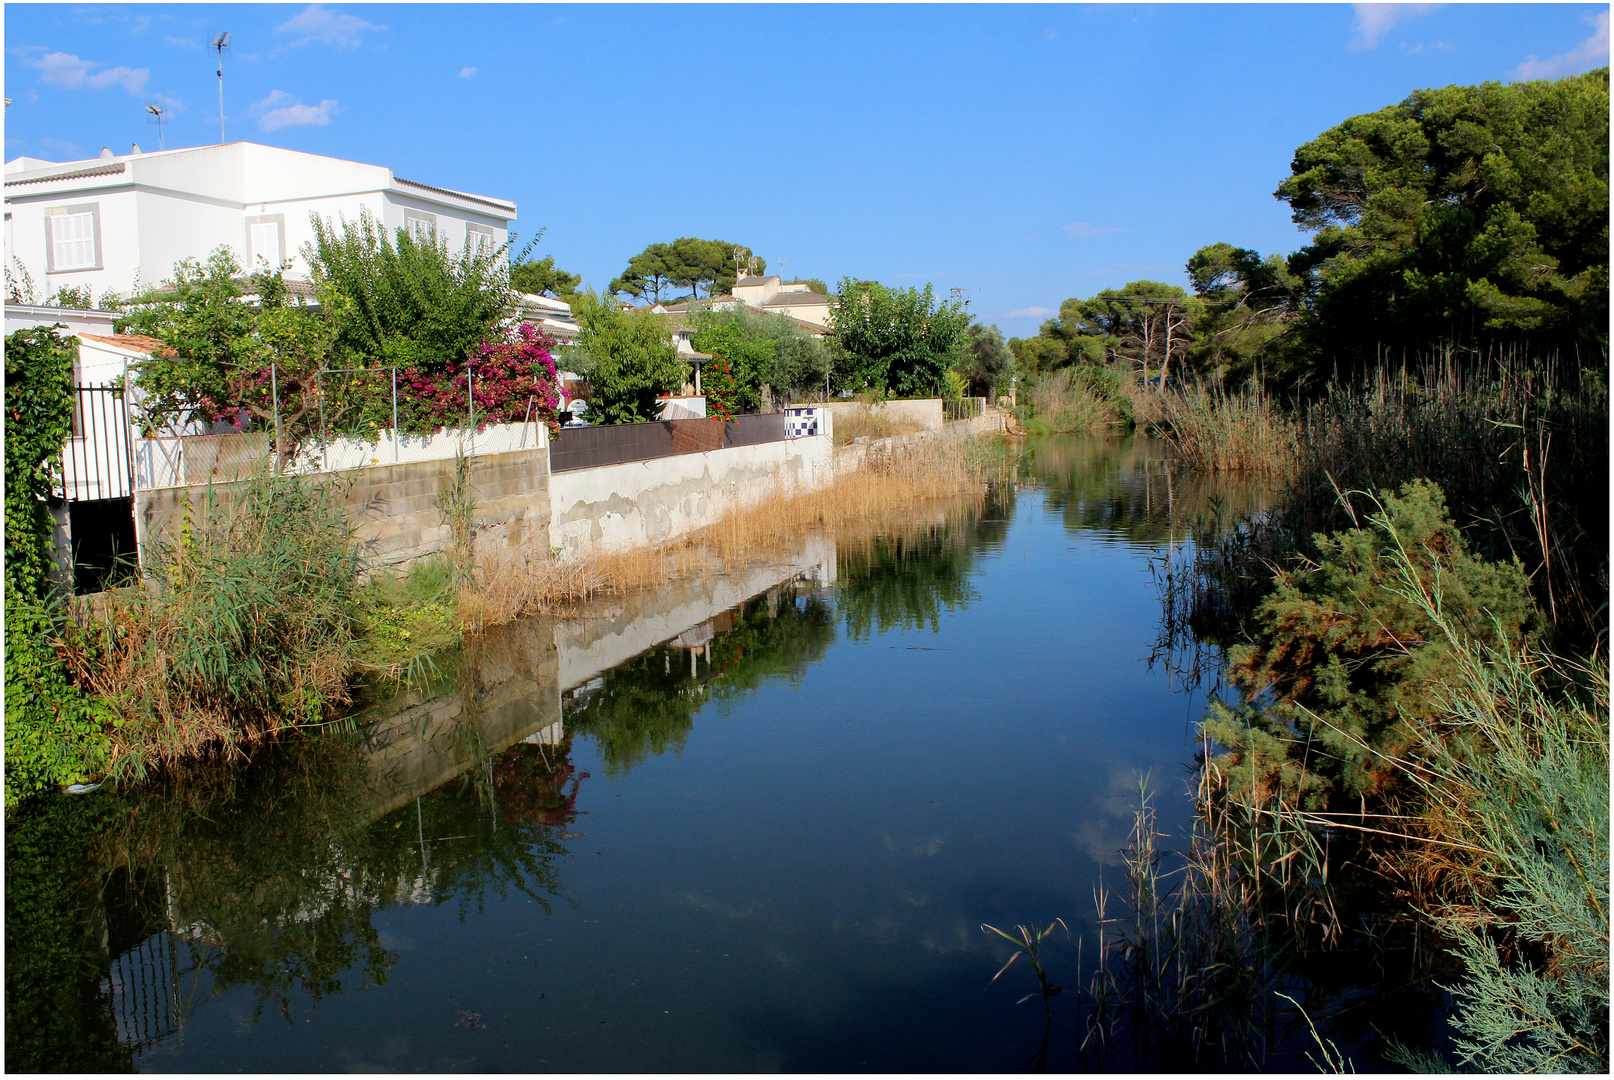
{"x":871,"y":422}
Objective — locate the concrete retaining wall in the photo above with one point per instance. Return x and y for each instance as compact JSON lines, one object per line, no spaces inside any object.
{"x":394,"y":508}
{"x":638,"y":503}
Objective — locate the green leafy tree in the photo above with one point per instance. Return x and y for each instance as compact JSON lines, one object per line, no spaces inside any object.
{"x":628,"y":358}
{"x":894,"y":339}
{"x":745,"y":357}
{"x":543,"y":278}
{"x":1466,"y":214}
{"x":647,"y":274}
{"x":1249,"y":305}
{"x":762,"y":348}
{"x":1145,"y":324}
{"x":983,"y":359}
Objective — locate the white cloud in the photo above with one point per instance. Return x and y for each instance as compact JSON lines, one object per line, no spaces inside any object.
{"x":1591,"y":53}
{"x":467,"y":72}
{"x":1032,"y":313}
{"x":183,"y":43}
{"x":319,"y":25}
{"x":1373,"y":21}
{"x":69,"y":151}
{"x":65,"y":69}
{"x":280,"y":110}
{"x":1083,"y":229}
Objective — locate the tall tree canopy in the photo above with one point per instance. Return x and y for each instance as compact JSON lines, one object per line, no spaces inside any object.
{"x":544,"y":278}
{"x":1146,"y":324}
{"x":686,"y":263}
{"x":894,"y":339}
{"x":1466,"y":215}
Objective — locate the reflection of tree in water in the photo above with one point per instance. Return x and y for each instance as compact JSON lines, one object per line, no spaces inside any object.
{"x":647,"y":705}
{"x":1134,"y":488}
{"x":907,"y":580}
{"x":265,"y":875}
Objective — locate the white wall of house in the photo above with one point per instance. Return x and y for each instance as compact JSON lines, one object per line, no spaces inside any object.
{"x":104,"y":222}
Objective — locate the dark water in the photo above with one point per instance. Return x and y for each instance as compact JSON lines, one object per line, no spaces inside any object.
{"x":753,"y":823}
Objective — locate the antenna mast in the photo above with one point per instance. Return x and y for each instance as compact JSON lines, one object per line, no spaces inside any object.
{"x":158,"y":111}
{"x":219,"y":44}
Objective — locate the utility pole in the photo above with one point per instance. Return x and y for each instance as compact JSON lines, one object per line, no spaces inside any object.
{"x":219,"y":44}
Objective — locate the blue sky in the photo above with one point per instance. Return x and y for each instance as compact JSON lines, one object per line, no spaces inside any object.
{"x":1026,"y":153}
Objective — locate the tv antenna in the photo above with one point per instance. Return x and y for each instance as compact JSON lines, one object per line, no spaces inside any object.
{"x":158,"y":112}
{"x":219,"y":44}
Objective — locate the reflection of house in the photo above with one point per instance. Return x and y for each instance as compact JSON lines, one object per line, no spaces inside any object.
{"x":766,"y":295}
{"x":108,"y":221}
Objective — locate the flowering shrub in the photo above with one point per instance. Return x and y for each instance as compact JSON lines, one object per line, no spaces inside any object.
{"x":512,"y":379}
{"x":723,"y":390}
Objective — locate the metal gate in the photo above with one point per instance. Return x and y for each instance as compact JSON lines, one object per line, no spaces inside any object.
{"x":98,"y":457}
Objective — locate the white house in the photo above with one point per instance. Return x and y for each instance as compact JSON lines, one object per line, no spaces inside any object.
{"x":110,"y":221}
{"x":768,"y":295}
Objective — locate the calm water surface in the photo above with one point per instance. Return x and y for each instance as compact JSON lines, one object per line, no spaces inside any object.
{"x":753,"y":823}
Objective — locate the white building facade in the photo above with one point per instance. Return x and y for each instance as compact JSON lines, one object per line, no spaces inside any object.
{"x":112,"y":222}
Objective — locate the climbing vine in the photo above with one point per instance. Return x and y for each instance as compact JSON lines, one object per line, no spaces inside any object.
{"x":55,"y":733}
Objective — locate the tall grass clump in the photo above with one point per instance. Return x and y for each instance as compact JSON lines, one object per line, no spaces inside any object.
{"x":1218,"y":431}
{"x":1078,"y":399}
{"x":1517,"y":814}
{"x":247,"y":627}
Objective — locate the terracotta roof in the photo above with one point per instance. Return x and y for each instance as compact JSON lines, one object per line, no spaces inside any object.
{"x":134,"y":343}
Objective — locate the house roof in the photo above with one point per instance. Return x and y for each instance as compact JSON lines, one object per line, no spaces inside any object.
{"x":752,"y":279}
{"x":133,"y":342}
{"x":71,"y":174}
{"x":496,"y":204}
{"x":796,"y":299}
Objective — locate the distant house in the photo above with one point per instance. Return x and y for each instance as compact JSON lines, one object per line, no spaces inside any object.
{"x":108,"y":222}
{"x":766,"y":295}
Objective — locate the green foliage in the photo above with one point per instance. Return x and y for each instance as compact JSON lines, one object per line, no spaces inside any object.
{"x":58,"y":1016}
{"x":1524,"y":795}
{"x":895,"y":340}
{"x":54,"y":730}
{"x":627,"y":357}
{"x":406,"y":620}
{"x":1353,"y":668}
{"x":1249,"y":304}
{"x":1467,"y":214}
{"x":982,"y":358}
{"x":686,"y":263}
{"x":250,"y":626}
{"x":221,"y":348}
{"x":398,"y":300}
{"x":772,"y":349}
{"x":1146,"y":323}
{"x":1078,"y":399}
{"x":543,"y":278}
{"x":69,"y":297}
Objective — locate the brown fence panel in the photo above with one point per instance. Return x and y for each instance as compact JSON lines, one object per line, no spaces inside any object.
{"x":613,"y":444}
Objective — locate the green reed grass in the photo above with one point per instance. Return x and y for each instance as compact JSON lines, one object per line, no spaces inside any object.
{"x":1077,"y":400}
{"x":247,"y":627}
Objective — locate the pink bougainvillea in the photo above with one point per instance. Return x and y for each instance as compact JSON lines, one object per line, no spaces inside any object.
{"x":512,"y":379}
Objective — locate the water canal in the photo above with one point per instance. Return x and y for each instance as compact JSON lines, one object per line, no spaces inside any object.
{"x":750,"y":823}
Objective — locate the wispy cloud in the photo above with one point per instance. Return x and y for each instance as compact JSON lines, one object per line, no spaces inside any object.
{"x":69,"y":151}
{"x":65,"y":69}
{"x":1591,"y":53}
{"x":1373,"y":21}
{"x":281,"y":110}
{"x":467,"y":72}
{"x":1032,"y":313}
{"x":182,"y":43}
{"x":318,"y":25}
{"x":1083,"y":229}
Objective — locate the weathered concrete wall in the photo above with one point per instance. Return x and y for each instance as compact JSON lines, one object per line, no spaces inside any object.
{"x":924,"y":412}
{"x":617,"y":507}
{"x":856,"y":455}
{"x":395,"y":509}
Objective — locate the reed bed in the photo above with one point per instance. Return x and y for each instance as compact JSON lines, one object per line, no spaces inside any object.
{"x":1078,"y":400}
{"x":1220,"y":432}
{"x":249,"y":628}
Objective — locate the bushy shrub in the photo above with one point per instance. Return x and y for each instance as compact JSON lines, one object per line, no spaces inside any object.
{"x":1349,"y":666}
{"x":1078,"y":399}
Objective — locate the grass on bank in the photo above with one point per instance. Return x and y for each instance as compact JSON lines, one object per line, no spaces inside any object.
{"x":870,"y":422}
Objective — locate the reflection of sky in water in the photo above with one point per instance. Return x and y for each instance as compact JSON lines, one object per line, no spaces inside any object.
{"x":800,"y":884}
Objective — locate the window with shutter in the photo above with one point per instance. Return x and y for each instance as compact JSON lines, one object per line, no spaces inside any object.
{"x":72,"y":241}
{"x":481,"y":239}
{"x":421,"y":228}
{"x":266,"y":243}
